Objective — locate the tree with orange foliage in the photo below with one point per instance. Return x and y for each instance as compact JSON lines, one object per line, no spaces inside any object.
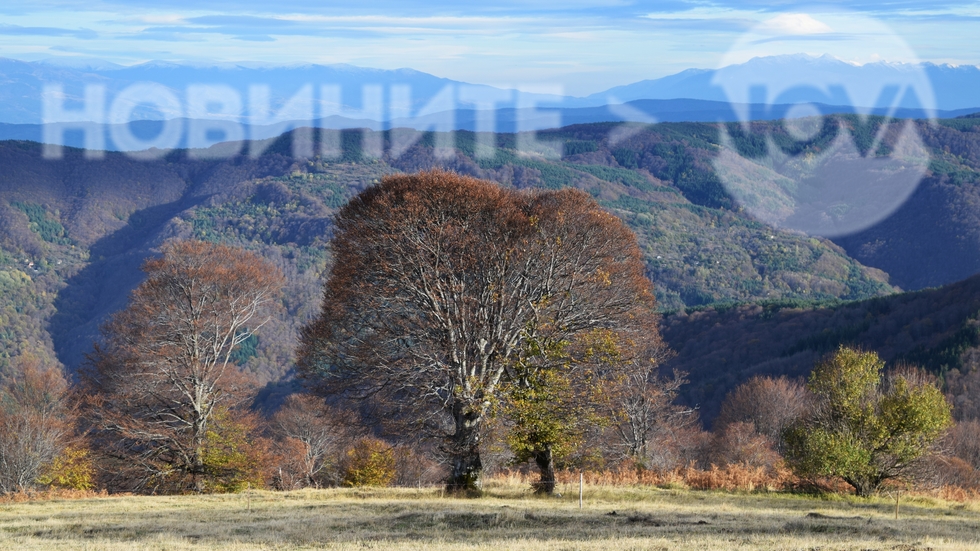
{"x":439,"y":283}
{"x":162,"y":390}
{"x":36,"y":424}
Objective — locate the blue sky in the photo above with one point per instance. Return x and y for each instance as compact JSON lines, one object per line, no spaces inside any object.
{"x":581,"y":45}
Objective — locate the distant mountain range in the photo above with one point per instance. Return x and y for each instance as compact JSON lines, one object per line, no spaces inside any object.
{"x":406,"y":97}
{"x":507,"y":120}
{"x":954,"y":87}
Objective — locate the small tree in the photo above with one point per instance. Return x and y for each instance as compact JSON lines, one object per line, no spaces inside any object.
{"x":314,"y":436}
{"x":555,"y":397}
{"x":863,"y":427}
{"x":648,"y":421}
{"x":740,"y":443}
{"x":965,"y":442}
{"x":162,"y":390}
{"x":370,"y":462}
{"x":771,"y":405}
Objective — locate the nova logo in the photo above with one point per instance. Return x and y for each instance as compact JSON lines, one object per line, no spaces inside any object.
{"x":832,"y":158}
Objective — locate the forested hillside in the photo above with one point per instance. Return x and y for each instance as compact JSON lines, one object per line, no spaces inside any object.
{"x":934,"y":238}
{"x":722,"y":347}
{"x":74,"y":232}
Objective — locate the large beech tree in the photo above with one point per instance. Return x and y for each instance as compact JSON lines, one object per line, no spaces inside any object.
{"x":161,"y":387}
{"x":440,"y":281}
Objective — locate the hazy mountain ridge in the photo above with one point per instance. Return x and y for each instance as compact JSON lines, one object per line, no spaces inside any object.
{"x":955,"y":88}
{"x":506,"y":119}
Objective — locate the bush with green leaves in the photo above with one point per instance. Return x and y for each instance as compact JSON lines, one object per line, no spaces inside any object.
{"x":864,"y":426}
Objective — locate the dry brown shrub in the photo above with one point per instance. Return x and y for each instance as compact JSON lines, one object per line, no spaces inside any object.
{"x":819,"y":485}
{"x":413,"y":467}
{"x":729,"y":478}
{"x":956,"y":493}
{"x":964,"y":441}
{"x":770,"y":404}
{"x":739,"y":443}
{"x":954,"y":471}
{"x":738,"y":477}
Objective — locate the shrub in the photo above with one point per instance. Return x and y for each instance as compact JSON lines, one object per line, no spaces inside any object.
{"x":740,"y":444}
{"x":371,"y":462}
{"x":71,"y":470}
{"x":965,"y":442}
{"x":769,"y":404}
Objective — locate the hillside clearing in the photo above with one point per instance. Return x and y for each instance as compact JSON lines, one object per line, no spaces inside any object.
{"x":507,"y":518}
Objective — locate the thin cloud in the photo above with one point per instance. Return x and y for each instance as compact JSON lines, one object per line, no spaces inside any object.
{"x":824,"y":37}
{"x":17,"y":30}
{"x":866,"y":6}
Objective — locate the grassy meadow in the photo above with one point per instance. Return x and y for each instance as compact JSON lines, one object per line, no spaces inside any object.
{"x":507,"y":517}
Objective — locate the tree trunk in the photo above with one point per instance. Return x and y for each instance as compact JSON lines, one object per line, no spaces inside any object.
{"x":546,"y":462}
{"x":197,"y":473}
{"x":465,"y":464}
{"x":864,"y":486}
{"x":197,"y":461}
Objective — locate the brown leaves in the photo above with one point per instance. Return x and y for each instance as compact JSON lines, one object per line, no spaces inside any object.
{"x":164,"y":371}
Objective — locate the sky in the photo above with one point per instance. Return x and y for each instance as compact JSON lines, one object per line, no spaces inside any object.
{"x":581,"y":46}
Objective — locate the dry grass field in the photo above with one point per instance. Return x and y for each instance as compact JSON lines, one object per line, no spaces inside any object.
{"x":646,"y":518}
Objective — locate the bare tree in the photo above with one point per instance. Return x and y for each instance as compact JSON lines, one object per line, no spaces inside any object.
{"x":769,"y":404}
{"x":965,"y":442}
{"x":439,"y":280}
{"x":741,"y":443}
{"x":36,"y":424}
{"x":319,"y":433}
{"x":648,"y":417}
{"x":962,"y":387}
{"x":164,"y":374}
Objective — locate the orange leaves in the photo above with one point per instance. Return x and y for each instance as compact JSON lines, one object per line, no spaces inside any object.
{"x":440,"y":281}
{"x":162,"y":387}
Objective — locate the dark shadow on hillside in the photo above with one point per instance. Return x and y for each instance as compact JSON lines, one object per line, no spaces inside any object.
{"x":103,"y":286}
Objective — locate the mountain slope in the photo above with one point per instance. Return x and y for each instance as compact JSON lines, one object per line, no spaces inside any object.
{"x":114,"y":212}
{"x":934,"y":238}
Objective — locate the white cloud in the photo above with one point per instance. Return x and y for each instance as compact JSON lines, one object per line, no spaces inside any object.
{"x":794,"y":24}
